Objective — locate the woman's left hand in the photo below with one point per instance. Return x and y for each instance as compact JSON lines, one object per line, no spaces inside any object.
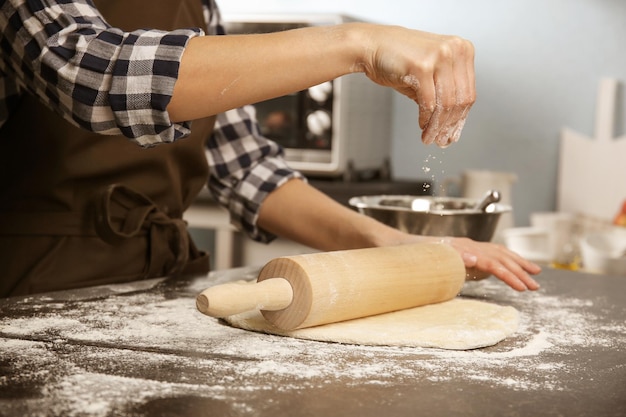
{"x":485,"y":258}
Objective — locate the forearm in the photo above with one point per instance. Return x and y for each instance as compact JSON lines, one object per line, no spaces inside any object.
{"x":299,"y":212}
{"x":218,"y":73}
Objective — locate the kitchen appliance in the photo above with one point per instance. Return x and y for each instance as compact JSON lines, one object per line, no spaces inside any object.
{"x":338,"y":128}
{"x":433,"y":216}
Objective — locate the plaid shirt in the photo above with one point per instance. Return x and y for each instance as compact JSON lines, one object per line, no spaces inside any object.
{"x":113,"y":82}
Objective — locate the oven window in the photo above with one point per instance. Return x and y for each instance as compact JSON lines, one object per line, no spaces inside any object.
{"x":301,"y":121}
{"x":278,"y":119}
{"x":297,"y":121}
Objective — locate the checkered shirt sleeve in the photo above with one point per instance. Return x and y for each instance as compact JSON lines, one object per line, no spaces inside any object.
{"x":245,"y":167}
{"x":115,"y":82}
{"x":95,"y":76}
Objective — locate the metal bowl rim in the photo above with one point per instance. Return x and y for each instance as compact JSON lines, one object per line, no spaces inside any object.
{"x":372,"y":202}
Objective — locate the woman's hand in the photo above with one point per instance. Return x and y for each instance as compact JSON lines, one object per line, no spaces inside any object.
{"x":484,"y":258}
{"x":436,"y":71}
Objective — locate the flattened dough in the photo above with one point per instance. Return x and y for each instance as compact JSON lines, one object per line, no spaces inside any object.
{"x":457,"y":324}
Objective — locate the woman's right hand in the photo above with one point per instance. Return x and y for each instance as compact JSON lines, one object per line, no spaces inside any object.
{"x":436,"y":71}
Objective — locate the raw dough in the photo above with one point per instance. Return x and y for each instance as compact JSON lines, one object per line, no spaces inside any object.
{"x":456,"y":324}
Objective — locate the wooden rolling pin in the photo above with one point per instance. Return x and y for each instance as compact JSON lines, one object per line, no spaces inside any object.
{"x":308,"y":290}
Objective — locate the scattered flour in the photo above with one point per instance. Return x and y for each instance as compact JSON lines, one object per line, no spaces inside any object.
{"x":86,"y":356}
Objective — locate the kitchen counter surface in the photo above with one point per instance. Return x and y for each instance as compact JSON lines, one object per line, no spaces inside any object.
{"x":142,"y":349}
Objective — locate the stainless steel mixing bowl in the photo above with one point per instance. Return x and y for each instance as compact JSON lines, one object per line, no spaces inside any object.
{"x":433,"y":216}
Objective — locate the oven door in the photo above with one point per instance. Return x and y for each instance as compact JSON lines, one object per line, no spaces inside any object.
{"x":301,"y":121}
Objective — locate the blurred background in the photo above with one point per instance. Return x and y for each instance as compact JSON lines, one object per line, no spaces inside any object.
{"x":538,"y":67}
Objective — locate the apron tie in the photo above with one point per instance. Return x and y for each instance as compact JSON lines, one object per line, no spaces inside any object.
{"x":122,"y":213}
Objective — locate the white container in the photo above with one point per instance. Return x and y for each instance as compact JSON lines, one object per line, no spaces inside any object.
{"x":605,"y":252}
{"x":532,"y":243}
{"x":563,"y":235}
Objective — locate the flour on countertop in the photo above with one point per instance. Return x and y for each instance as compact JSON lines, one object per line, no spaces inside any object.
{"x":166,"y":337}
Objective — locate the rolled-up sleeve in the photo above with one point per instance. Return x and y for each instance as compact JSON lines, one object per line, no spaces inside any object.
{"x":96,"y":76}
{"x":245,"y":167}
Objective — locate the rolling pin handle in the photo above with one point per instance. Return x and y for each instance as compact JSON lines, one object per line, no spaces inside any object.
{"x":224,"y":300}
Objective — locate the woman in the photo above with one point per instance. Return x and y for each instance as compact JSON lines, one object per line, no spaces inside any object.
{"x":83,"y":204}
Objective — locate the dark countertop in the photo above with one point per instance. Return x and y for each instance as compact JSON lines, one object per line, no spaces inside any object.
{"x":143,"y":349}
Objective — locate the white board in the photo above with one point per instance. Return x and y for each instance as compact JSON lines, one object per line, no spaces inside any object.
{"x":592,"y":171}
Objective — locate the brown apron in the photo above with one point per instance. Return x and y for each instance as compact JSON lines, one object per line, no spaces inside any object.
{"x":80,"y":209}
